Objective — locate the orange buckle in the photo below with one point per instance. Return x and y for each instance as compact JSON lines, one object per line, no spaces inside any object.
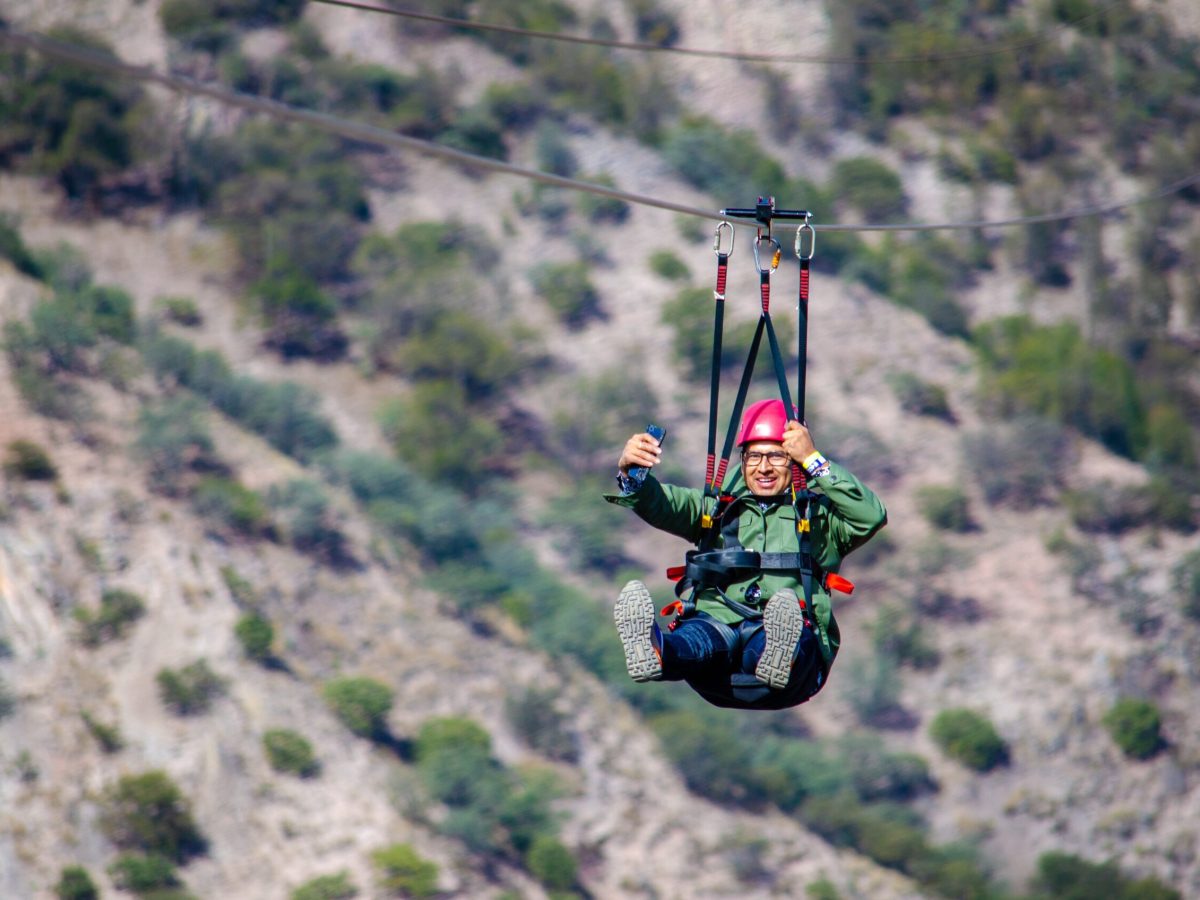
{"x":804,"y":525}
{"x":675,"y":608}
{"x":838,"y":583}
{"x":676,"y":572}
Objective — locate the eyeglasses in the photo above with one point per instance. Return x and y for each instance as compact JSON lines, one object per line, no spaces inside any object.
{"x":776,"y":458}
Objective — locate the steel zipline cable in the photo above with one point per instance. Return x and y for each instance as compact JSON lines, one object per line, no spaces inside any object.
{"x":370,"y":134}
{"x":735,"y":55}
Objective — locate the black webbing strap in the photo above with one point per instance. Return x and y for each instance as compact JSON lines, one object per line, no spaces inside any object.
{"x":712,"y":482}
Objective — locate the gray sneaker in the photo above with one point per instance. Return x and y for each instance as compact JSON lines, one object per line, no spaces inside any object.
{"x":634,"y":615}
{"x":783,"y":622}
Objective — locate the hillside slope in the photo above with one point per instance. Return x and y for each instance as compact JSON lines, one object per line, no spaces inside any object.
{"x":1036,"y":624}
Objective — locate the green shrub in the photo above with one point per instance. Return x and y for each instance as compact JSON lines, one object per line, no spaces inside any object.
{"x":302,"y":510}
{"x":553,"y":150}
{"x":107,"y":736}
{"x":666,"y":264}
{"x":458,"y":346}
{"x":149,"y":814}
{"x":191,"y":690}
{"x":920,"y":397}
{"x":822,"y":889}
{"x":969,"y":738}
{"x":552,"y":863}
{"x":256,"y":635}
{"x":29,"y":461}
{"x":361,"y":704}
{"x":730,"y":165}
{"x":1185,"y":579}
{"x":568,"y":291}
{"x":945,"y":507}
{"x":300,"y":318}
{"x":288,"y":751}
{"x":182,"y":311}
{"x":71,"y":122}
{"x":233,"y":506}
{"x":75,"y":883}
{"x":1108,"y":508}
{"x":590,"y":410}
{"x":326,"y":887}
{"x":1050,"y":371}
{"x":1135,"y":725}
{"x":690,"y":316}
{"x":870,"y":187}
{"x":416,"y":426}
{"x":592,"y":539}
{"x":119,"y":609}
{"x":174,"y":440}
{"x":1064,"y":876}
{"x":8,"y":700}
{"x":12,"y":248}
{"x":532,"y":714}
{"x":240,"y":589}
{"x":141,"y":874}
{"x":1021,"y":465}
{"x":291,"y":199}
{"x":405,"y":872}
{"x":599,"y":209}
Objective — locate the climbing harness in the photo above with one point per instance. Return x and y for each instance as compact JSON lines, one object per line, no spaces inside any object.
{"x":707,"y":566}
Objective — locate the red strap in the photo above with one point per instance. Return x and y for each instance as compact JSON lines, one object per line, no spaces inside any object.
{"x":676,"y":572}
{"x":674,"y":608}
{"x":838,"y":583}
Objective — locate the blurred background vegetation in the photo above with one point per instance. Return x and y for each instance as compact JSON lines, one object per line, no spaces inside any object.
{"x":430,"y":306}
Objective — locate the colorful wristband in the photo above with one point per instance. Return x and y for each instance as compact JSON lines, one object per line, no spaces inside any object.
{"x":815,"y":465}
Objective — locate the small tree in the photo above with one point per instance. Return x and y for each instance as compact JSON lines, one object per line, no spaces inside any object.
{"x":76,"y":884}
{"x":1185,"y":578}
{"x":945,"y":507}
{"x":404,"y":872}
{"x":141,"y":874}
{"x":256,"y":635}
{"x":119,"y":609}
{"x":149,"y":813}
{"x":970,"y":738}
{"x":1135,"y":726}
{"x":288,"y":751}
{"x":361,"y":704}
{"x":552,"y":863}
{"x":568,"y":290}
{"x":191,"y":690}
{"x":327,"y":887}
{"x":29,"y":461}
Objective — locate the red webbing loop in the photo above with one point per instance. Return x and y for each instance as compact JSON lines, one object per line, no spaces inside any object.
{"x":804,"y":281}
{"x":764,"y":288}
{"x":720,"y":480}
{"x":710,"y":468}
{"x":722,"y":276}
{"x":838,"y":583}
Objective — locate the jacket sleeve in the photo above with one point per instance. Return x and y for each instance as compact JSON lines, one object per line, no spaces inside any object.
{"x":675,"y":510}
{"x":854,"y":512}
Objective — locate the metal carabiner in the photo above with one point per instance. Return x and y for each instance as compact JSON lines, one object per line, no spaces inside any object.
{"x":717,"y":239}
{"x":812,"y":241}
{"x":758,"y":241}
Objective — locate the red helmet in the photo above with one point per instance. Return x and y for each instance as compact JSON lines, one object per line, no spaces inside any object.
{"x":763,"y":421}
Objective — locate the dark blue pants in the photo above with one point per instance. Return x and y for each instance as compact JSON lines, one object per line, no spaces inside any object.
{"x":702,"y":648}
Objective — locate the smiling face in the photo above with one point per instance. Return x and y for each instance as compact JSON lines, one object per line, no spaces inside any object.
{"x":766,"y":468}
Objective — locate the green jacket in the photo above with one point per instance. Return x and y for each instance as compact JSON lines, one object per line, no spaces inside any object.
{"x":844,"y":514}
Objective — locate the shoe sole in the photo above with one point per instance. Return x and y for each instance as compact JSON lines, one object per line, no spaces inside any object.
{"x":634,"y":615}
{"x":783,"y":622}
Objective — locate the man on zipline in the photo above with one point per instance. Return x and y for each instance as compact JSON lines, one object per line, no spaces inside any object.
{"x":750,"y":624}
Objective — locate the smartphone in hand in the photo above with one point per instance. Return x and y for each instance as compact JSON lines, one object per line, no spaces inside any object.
{"x":637,"y":473}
